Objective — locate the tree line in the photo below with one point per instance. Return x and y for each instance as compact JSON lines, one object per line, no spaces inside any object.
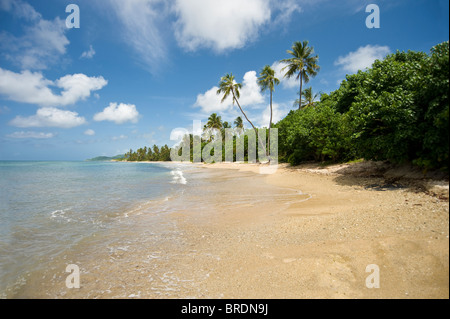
{"x":151,"y":154}
{"x":397,"y":110}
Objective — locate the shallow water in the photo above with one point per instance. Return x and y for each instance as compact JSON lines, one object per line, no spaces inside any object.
{"x":116,"y":222}
{"x":50,"y":208}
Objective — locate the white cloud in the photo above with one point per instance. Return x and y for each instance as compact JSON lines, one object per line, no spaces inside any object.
{"x":43,"y":42}
{"x":140,"y":26}
{"x":88,"y":54}
{"x":118,"y":113}
{"x":50,"y":117}
{"x":118,"y":138}
{"x":279,"y":74}
{"x":251,"y":91}
{"x":210,"y":102}
{"x":219,"y":25}
{"x":362,"y":58}
{"x":251,"y":95}
{"x":279,"y":112}
{"x":89,"y":132}
{"x":286,"y":9}
{"x":20,"y":9}
{"x":33,"y":88}
{"x":29,"y":135}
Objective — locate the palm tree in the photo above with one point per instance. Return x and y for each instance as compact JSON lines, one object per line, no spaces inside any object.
{"x":310,"y":98}
{"x":214,"y":122}
{"x":239,"y":124}
{"x":303,"y":64}
{"x":227,"y":87}
{"x":267,"y":81}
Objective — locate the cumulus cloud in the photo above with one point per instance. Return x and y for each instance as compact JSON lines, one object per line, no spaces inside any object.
{"x":89,"y":132}
{"x":279,"y":112}
{"x":88,"y":54}
{"x":197,"y":24}
{"x":33,"y":88}
{"x":279,"y":74}
{"x":251,"y":95}
{"x":42,"y":42}
{"x":31,"y":135}
{"x":362,"y":58}
{"x":49,"y":117}
{"x":118,"y":113}
{"x":219,"y":25}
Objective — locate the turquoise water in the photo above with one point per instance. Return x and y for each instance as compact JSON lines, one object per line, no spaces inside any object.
{"x":48,"y":208}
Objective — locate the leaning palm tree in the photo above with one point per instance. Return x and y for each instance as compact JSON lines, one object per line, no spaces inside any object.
{"x":303,"y":64}
{"x":267,"y":81}
{"x":239,"y":124}
{"x":229,"y":87}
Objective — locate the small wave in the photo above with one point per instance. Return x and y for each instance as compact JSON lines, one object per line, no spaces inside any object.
{"x":177,"y":177}
{"x":60,"y":215}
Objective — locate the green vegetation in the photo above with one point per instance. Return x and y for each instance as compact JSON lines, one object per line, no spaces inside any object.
{"x":397,"y":111}
{"x":154,"y":154}
{"x":106,"y":158}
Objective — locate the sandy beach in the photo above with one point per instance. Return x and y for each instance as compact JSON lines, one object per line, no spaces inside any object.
{"x":319,"y":244}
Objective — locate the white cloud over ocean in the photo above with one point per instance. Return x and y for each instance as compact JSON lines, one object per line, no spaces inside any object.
{"x":118,"y":113}
{"x":30,"y":135}
{"x":49,"y":117}
{"x":34,"y":88}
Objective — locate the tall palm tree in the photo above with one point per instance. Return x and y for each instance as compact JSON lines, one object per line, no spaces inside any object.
{"x":267,"y":81}
{"x":239,"y":124}
{"x":227,"y":87}
{"x":302,"y":64}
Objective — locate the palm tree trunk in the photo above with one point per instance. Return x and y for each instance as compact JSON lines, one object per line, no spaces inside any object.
{"x":256,"y":131}
{"x":270,"y":124}
{"x":301,"y":88}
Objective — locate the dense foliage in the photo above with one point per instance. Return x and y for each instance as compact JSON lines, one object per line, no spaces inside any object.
{"x":154,"y":154}
{"x":398,"y":111}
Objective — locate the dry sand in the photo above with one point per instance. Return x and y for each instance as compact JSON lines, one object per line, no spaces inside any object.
{"x":354,"y":216}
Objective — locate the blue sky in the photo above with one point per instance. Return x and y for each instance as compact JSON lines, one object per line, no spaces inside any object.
{"x":136,"y":70}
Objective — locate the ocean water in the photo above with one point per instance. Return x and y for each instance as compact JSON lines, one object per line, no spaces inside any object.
{"x":52,"y":209}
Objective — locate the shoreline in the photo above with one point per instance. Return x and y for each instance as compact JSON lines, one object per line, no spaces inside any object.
{"x":303,"y":232}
